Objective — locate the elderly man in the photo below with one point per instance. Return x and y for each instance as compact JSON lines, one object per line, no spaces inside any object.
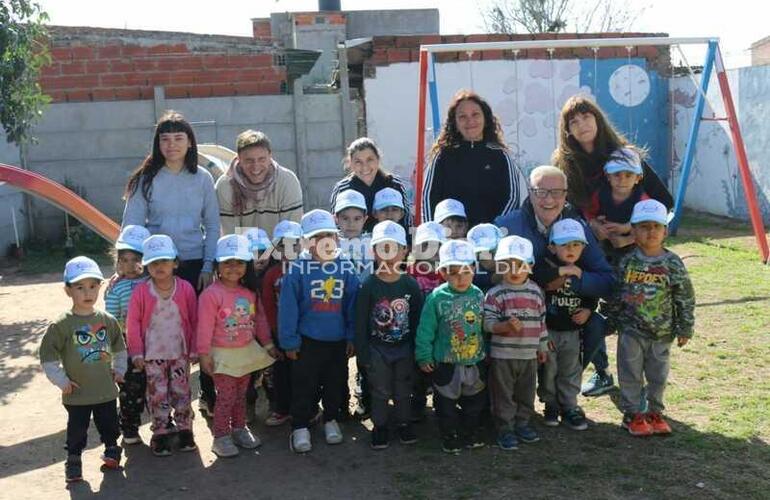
{"x":547,"y":203}
{"x":256,"y":191}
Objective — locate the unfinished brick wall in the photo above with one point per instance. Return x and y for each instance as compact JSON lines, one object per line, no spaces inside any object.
{"x":92,"y":64}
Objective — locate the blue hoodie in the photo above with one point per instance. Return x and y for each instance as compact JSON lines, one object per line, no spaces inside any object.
{"x":317,"y":301}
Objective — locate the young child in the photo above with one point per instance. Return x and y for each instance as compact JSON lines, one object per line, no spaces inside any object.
{"x":161,"y":323}
{"x":230,"y":316}
{"x":611,"y":205}
{"x":387,"y":310}
{"x":450,"y":346}
{"x":389,"y":205}
{"x":485,"y":238}
{"x":128,"y":274}
{"x":514,"y":314}
{"x":83,"y":354}
{"x":315,"y":328}
{"x":653,"y":306}
{"x":286,"y":248}
{"x":451,"y":214}
{"x":568,"y":311}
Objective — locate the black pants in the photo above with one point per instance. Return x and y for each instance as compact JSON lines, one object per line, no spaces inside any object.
{"x":278,"y":386}
{"x":321,"y":365}
{"x":190,"y":271}
{"x":466,"y":419}
{"x":79,"y":417}
{"x":131,"y":396}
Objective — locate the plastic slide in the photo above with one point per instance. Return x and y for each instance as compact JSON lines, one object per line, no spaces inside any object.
{"x":53,"y":192}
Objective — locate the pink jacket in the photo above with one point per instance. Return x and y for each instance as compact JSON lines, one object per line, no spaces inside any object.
{"x":140,"y":309}
{"x":230,"y":317}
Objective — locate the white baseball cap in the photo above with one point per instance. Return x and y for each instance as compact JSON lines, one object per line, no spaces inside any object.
{"x":515,"y":247}
{"x":131,"y":238}
{"x":350,"y":198}
{"x":567,"y":230}
{"x":257,"y":238}
{"x":287,"y":229}
{"x":484,"y":237}
{"x":388,"y":197}
{"x":650,"y":210}
{"x":456,"y":253}
{"x":158,"y":247}
{"x":317,"y":221}
{"x":388,"y":231}
{"x":234,"y":246}
{"x":429,"y":231}
{"x":449,"y":208}
{"x":624,"y":160}
{"x":81,"y":268}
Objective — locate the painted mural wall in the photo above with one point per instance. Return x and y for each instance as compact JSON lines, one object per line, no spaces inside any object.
{"x":527,"y":96}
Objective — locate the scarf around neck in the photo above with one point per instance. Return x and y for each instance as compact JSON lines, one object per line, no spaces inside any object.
{"x":244,"y":190}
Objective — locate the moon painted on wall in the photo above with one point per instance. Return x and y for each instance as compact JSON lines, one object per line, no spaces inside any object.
{"x":629,"y":85}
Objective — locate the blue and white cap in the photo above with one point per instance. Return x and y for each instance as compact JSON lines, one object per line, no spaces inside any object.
{"x":287,"y":229}
{"x":449,"y":208}
{"x":388,"y":197}
{"x":131,"y":238}
{"x":484,"y":237}
{"x":350,"y":198}
{"x":81,"y":268}
{"x":158,"y":247}
{"x":258,"y":239}
{"x":388,"y":231}
{"x":429,"y":231}
{"x":566,"y":231}
{"x":456,"y":253}
{"x":515,"y":247}
{"x":317,"y":221}
{"x":650,"y":211}
{"x":234,"y":247}
{"x":624,"y":160}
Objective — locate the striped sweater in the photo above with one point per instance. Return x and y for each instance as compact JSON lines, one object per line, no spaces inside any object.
{"x":117,"y":296}
{"x":525,"y":302}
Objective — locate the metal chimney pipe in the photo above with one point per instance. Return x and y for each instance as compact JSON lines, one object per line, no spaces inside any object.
{"x":329,"y":5}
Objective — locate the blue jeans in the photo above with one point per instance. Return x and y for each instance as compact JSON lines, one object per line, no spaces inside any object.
{"x":594,"y":347}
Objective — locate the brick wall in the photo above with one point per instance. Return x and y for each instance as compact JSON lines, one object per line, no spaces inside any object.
{"x":92,"y":64}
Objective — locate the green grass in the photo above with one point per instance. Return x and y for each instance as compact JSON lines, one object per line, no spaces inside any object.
{"x":50,"y":256}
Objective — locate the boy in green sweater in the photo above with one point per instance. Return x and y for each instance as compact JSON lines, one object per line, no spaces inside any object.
{"x":84,"y":355}
{"x":654,"y":305}
{"x":450,"y":346}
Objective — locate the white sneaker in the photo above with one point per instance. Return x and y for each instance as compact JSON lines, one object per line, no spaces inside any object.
{"x":224,"y":447}
{"x":299,"y":441}
{"x":245,"y":439}
{"x":333,"y":432}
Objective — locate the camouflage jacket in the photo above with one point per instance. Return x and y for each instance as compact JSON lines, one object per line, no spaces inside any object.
{"x":654,"y":297}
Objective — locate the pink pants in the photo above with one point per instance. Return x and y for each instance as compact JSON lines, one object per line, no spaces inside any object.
{"x":230,"y":408}
{"x":168,"y":386}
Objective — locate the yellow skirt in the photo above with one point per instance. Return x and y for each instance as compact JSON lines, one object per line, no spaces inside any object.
{"x":239,"y":361}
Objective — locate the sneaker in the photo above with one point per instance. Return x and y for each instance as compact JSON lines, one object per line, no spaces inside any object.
{"x":111,"y":457}
{"x":507,"y":441}
{"x":206,"y":410}
{"x":551,"y":416}
{"x":380,"y":439}
{"x":451,"y":444}
{"x":636,"y":424}
{"x":526,"y":433}
{"x":276,"y":419}
{"x":132,"y":437}
{"x":245,"y":439}
{"x":597,"y":385}
{"x":224,"y":447}
{"x":159,"y":446}
{"x":406,"y":434}
{"x":474,"y":441}
{"x":332,"y":432}
{"x":575,"y":419}
{"x":658,"y":424}
{"x":73,"y":469}
{"x":299,"y":441}
{"x":186,"y":441}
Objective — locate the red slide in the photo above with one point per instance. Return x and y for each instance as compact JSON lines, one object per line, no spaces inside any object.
{"x":38,"y":185}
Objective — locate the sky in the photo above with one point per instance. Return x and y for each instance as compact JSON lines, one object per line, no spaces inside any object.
{"x":738,"y":26}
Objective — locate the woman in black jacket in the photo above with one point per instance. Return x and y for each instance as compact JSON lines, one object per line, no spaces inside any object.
{"x":470,"y":163}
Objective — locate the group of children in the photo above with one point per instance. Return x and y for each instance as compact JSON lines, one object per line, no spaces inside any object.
{"x":448,"y":308}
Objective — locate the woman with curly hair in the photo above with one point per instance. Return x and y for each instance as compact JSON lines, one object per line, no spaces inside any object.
{"x":470,"y":163}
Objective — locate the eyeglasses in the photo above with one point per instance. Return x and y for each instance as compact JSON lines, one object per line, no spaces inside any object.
{"x":543,"y":193}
